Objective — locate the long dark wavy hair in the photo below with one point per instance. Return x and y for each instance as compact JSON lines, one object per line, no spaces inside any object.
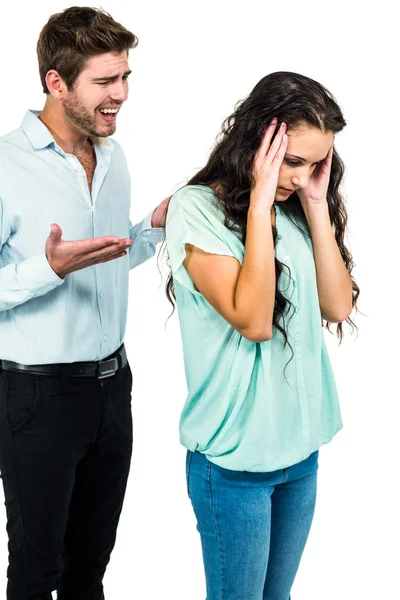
{"x":295,"y":100}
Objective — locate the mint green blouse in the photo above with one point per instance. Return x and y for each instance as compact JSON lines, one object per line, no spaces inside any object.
{"x":244,"y":410}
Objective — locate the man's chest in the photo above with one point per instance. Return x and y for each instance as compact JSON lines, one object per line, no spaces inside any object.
{"x":33,"y":200}
{"x":88,"y":162}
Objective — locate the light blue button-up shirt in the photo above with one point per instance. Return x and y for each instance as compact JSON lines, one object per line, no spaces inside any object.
{"x":45,"y":319}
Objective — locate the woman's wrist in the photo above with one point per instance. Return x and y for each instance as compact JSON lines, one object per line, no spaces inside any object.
{"x":258,"y":207}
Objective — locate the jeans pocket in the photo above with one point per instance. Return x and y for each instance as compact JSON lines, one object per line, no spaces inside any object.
{"x":189,"y":456}
{"x":21,"y":397}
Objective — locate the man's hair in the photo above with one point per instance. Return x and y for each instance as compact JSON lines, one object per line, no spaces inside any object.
{"x":73,"y":36}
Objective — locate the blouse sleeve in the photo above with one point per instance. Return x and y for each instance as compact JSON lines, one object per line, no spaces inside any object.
{"x":193,"y":218}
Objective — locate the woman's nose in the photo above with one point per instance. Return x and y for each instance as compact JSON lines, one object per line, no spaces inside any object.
{"x":301,"y":180}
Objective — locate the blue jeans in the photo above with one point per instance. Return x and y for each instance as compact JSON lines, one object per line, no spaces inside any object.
{"x":253,"y":526}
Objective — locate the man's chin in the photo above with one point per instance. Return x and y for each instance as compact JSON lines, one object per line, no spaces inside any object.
{"x":104,"y":132}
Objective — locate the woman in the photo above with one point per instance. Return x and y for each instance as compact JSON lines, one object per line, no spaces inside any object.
{"x":255,"y":242}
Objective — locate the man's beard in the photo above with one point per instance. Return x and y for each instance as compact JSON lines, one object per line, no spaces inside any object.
{"x":77,"y":113}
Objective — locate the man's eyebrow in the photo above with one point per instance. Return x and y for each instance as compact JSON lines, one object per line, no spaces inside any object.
{"x":110,"y":77}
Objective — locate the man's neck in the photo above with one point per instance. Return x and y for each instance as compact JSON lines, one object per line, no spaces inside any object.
{"x":69,"y":140}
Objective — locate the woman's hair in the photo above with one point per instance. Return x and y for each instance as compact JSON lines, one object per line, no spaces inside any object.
{"x":73,"y":36}
{"x":296,"y":100}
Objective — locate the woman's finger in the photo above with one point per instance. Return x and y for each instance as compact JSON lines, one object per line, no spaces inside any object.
{"x":328,"y":158}
{"x":265,"y":143}
{"x":280,"y":155}
{"x":276,"y":144}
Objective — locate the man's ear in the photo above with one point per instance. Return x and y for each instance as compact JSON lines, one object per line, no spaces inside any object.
{"x":56,"y":85}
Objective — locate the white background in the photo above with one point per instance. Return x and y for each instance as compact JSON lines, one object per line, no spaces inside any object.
{"x":194,"y":61}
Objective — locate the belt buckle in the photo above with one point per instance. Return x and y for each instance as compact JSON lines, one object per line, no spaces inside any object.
{"x":107,"y":368}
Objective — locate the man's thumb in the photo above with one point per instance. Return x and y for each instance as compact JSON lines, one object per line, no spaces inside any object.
{"x":55,"y":232}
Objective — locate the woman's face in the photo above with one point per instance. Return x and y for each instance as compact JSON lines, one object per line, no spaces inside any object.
{"x":306,"y":148}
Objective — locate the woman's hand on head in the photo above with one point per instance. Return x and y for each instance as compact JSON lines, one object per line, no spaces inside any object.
{"x":266,"y":166}
{"x":317,"y":188}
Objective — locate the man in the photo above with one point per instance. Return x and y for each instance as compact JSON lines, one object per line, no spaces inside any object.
{"x":65,"y":383}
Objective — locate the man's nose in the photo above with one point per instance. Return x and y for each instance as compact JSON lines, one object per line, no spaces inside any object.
{"x":119,"y":92}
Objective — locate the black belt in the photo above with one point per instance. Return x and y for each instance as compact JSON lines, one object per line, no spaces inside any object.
{"x":101,"y":369}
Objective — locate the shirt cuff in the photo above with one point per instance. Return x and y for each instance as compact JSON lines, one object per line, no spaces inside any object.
{"x":152,"y":234}
{"x":37,"y":275}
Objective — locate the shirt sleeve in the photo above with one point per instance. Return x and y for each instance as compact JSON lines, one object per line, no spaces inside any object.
{"x":29,"y":279}
{"x":144,"y":237}
{"x":193,"y":218}
{"x":144,"y":241}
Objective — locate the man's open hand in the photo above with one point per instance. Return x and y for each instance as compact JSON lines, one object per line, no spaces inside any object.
{"x":66,"y":257}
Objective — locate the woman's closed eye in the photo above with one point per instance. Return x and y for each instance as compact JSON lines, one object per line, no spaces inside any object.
{"x":295,"y":163}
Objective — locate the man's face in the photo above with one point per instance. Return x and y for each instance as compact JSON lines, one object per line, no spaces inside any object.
{"x":92,"y":105}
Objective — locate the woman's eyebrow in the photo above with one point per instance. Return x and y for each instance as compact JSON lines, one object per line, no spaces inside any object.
{"x":299,"y":157}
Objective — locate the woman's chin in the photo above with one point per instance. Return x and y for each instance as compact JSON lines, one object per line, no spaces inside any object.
{"x":281,"y":196}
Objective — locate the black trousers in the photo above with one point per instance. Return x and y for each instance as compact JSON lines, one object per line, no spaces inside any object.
{"x":65,"y":451}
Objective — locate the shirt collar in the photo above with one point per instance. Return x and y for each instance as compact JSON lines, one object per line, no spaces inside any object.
{"x":36,"y":131}
{"x":40,"y":137}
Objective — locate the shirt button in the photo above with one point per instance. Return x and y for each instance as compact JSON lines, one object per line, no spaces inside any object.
{"x":279,"y":236}
{"x":296,"y":310}
{"x":104,"y":338}
{"x":101,"y":294}
{"x":286,"y":258}
{"x":294,"y":283}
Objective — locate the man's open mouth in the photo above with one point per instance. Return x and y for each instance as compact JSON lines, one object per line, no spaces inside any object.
{"x":109,"y":114}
